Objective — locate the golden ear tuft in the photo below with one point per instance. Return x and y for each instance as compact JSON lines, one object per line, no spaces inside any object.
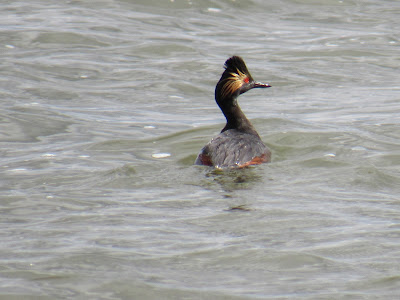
{"x":234,"y":82}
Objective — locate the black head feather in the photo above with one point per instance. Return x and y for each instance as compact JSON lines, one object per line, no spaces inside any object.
{"x":235,"y":64}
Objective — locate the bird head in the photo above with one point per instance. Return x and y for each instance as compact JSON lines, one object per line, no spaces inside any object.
{"x":235,"y":80}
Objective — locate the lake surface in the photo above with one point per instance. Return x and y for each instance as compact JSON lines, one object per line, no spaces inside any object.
{"x":105,"y":105}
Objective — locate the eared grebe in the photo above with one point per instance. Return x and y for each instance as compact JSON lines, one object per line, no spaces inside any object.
{"x":238,"y":145}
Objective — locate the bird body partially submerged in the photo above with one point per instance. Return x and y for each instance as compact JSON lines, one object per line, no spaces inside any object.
{"x":233,"y":148}
{"x":238,"y":145}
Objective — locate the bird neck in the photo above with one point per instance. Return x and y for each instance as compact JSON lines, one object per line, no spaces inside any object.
{"x":235,"y":118}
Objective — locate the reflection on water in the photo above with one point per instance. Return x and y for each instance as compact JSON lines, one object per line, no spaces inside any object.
{"x":230,"y":180}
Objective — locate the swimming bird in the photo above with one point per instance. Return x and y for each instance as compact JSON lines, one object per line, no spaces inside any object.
{"x":238,"y":145}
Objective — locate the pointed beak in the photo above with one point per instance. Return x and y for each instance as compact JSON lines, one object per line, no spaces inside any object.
{"x":261,"y":85}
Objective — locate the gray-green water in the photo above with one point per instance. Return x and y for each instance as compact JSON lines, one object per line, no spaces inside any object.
{"x":105,"y":104}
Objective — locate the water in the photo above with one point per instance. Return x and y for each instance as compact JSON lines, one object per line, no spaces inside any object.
{"x":105,"y":105}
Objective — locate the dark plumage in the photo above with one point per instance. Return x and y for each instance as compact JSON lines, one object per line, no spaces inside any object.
{"x":238,"y":144}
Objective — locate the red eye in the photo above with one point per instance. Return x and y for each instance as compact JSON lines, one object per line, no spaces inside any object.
{"x":246,"y":80}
